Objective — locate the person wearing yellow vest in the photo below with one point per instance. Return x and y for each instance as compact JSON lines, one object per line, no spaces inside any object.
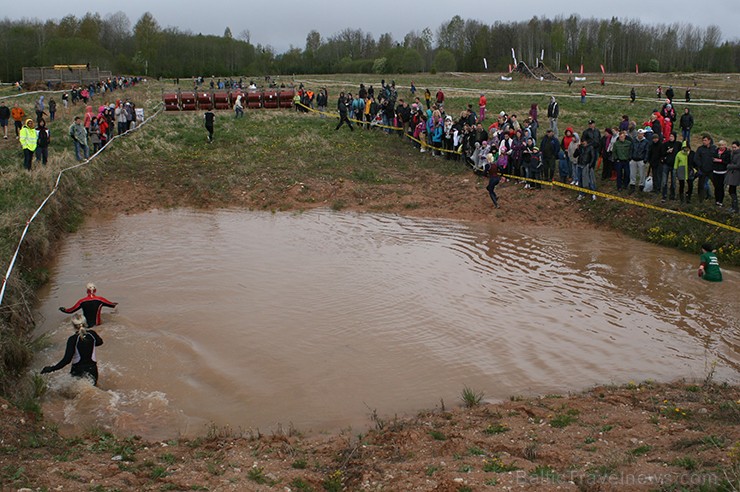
{"x":28,"y":140}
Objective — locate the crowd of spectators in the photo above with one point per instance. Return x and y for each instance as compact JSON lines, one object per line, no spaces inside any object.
{"x":90,"y":131}
{"x":646,"y":157}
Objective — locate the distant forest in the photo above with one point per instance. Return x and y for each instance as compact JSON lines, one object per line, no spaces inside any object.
{"x":112,"y":43}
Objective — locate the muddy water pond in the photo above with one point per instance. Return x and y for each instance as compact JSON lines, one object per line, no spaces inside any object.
{"x":252,"y":320}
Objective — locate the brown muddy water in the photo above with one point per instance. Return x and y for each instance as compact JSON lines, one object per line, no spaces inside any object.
{"x":252,"y":320}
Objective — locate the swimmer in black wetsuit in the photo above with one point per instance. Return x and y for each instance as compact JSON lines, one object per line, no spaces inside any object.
{"x":91,"y":306}
{"x":80,"y":352}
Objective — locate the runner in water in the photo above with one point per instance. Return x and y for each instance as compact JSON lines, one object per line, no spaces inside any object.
{"x":80,"y":352}
{"x":91,"y":306}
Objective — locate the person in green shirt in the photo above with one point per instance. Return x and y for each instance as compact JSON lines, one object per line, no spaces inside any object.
{"x":709,"y":267}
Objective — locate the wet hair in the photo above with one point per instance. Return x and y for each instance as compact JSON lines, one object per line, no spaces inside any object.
{"x":80,"y":325}
{"x":707,"y":247}
{"x":91,"y":287}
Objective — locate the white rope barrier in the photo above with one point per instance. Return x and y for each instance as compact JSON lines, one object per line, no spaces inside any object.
{"x":54,"y":190}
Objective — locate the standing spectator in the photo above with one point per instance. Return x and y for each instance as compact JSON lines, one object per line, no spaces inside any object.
{"x":534,"y":122}
{"x":39,"y":107}
{"x":671,"y":149}
{"x":585,"y":155}
{"x":633,"y":95}
{"x":79,"y":137}
{"x":428,"y":98}
{"x":583,"y":94}
{"x":209,"y":117}
{"x":52,"y":109}
{"x":704,"y":164}
{"x":43,"y":139}
{"x":688,"y":95}
{"x":732,"y":178}
{"x":342,"y":107}
{"x":655,"y":156}
{"x":637,"y":161}
{"x":18,"y":114}
{"x":29,"y":141}
{"x":120,"y":115}
{"x":553,"y":111}
{"x":720,"y":161}
{"x":482,"y":107}
{"x":65,"y":101}
{"x":440,"y":98}
{"x":670,"y":94}
{"x":621,"y":151}
{"x":404,"y":114}
{"x":659,"y":92}
{"x":549,"y":147}
{"x":89,"y":115}
{"x":94,"y":133}
{"x":687,"y":123}
{"x":322,"y":102}
{"x":594,"y":137}
{"x":605,"y":144}
{"x":682,"y":170}
{"x":4,"y":118}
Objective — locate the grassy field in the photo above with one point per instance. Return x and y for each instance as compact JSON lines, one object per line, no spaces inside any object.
{"x":277,"y":160}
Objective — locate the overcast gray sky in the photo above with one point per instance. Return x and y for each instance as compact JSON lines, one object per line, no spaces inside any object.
{"x":283,"y":23}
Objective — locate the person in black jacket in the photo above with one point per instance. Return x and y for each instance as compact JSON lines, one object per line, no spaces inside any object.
{"x":687,"y":123}
{"x":549,"y":147}
{"x":4,"y":118}
{"x":671,"y":148}
{"x":553,"y":111}
{"x":585,"y":175}
{"x":80,"y":351}
{"x":342,"y":106}
{"x":704,"y":164}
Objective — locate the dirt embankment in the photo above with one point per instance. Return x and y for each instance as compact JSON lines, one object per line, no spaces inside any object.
{"x":636,"y":437}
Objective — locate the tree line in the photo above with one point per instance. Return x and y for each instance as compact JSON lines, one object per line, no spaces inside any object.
{"x":112,"y":43}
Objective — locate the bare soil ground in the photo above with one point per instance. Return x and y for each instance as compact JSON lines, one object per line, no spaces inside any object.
{"x":635,"y":437}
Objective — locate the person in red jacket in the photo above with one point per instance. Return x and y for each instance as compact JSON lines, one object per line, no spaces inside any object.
{"x":91,"y":306}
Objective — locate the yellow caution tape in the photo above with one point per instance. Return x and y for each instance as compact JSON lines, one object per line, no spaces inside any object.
{"x":551,"y":183}
{"x":624,"y":200}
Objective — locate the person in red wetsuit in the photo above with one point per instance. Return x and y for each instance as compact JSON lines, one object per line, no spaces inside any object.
{"x":91,"y":306}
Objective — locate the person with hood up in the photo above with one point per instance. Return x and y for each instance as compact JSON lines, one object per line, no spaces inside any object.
{"x":687,"y":123}
{"x":28,"y":139}
{"x":39,"y":108}
{"x":682,"y":169}
{"x":732,"y":178}
{"x":42,"y":142}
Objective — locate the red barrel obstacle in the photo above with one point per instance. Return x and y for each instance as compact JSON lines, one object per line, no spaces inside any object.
{"x":221,"y":100}
{"x":171,"y":101}
{"x":191,"y":101}
{"x":188,"y":101}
